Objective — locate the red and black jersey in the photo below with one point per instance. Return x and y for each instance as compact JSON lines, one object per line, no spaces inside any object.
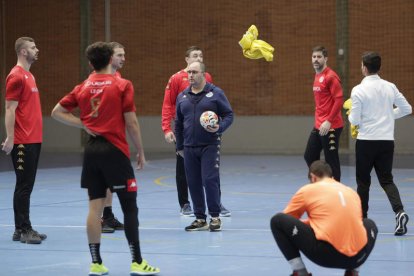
{"x":21,"y":87}
{"x":176,"y":84}
{"x":328,"y":95}
{"x":103,"y":99}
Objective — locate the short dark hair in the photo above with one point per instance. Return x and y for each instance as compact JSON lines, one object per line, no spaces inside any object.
{"x":20,"y":42}
{"x":320,"y":169}
{"x":115,"y":44}
{"x":99,"y":54}
{"x":191,"y":49}
{"x":320,"y":49}
{"x":372,"y":61}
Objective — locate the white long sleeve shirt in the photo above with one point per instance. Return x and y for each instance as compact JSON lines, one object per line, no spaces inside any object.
{"x":373,"y":110}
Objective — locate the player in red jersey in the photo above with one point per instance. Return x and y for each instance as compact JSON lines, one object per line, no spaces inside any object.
{"x":328,"y":125}
{"x":109,"y":222}
{"x":107,"y":109}
{"x":24,"y":136}
{"x":176,"y":84}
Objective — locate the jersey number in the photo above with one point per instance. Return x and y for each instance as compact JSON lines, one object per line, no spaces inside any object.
{"x":95,"y":105}
{"x":342,"y":198}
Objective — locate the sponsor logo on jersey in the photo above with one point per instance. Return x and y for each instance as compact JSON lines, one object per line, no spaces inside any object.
{"x":316,"y":89}
{"x":97,"y":83}
{"x":132,"y":185}
{"x":209,"y":94}
{"x":35,"y":90}
{"x":321,"y":79}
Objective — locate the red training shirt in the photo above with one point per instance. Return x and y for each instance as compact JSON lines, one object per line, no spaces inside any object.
{"x":176,"y":84}
{"x":328,"y":95}
{"x":21,"y":87}
{"x":103,"y":99}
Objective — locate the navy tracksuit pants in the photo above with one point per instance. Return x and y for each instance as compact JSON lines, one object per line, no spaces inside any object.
{"x":202,"y":166}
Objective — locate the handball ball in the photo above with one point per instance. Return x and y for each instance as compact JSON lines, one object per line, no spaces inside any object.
{"x":208,"y":118}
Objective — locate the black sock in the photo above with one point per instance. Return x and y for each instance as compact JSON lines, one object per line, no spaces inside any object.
{"x":135,"y":252}
{"x":107,"y":213}
{"x":94,"y":248}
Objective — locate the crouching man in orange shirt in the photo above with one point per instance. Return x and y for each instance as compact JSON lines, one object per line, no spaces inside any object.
{"x":334,"y":234}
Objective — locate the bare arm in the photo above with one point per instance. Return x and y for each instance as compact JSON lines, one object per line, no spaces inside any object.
{"x":10,"y":120}
{"x":134,"y":131}
{"x":61,"y":114}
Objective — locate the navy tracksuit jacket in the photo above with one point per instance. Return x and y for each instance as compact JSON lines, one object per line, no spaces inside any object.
{"x":202,"y":148}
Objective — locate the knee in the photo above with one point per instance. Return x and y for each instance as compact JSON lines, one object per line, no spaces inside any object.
{"x":128,"y":203}
{"x":276,"y":220}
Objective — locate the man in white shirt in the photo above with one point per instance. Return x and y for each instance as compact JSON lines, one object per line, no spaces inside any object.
{"x":373,"y":112}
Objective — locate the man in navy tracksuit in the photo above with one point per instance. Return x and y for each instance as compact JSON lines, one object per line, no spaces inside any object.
{"x":201,"y":146}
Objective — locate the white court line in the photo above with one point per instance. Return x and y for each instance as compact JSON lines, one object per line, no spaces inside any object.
{"x":181,"y":229}
{"x":47,"y":266}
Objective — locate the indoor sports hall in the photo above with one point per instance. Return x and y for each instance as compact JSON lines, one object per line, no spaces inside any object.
{"x":261,"y":156}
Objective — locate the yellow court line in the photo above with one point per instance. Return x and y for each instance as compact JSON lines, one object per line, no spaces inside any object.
{"x":158,"y":181}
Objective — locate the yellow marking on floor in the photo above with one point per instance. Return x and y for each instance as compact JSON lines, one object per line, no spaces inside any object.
{"x":158,"y":181}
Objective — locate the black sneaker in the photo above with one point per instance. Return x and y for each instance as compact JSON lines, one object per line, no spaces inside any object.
{"x":30,"y":237}
{"x":187,"y":211}
{"x":106,"y":228}
{"x":197,"y":225}
{"x":401,"y":224}
{"x":215,"y":224}
{"x":113,"y":223}
{"x":351,"y":273}
{"x":224,"y":212}
{"x":17,"y":234}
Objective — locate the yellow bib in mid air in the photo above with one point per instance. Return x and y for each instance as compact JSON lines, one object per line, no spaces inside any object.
{"x":254,"y":48}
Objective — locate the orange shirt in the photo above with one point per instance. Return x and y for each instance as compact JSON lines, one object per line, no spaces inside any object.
{"x":334,"y":213}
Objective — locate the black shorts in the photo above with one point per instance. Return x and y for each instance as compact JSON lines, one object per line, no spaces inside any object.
{"x":105,"y":166}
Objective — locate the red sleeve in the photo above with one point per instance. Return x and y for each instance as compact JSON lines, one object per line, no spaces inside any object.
{"x":69,"y":102}
{"x":336,"y":91}
{"x":14,"y":87}
{"x":128,"y":104}
{"x":168,"y":105}
{"x":209,"y":78}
